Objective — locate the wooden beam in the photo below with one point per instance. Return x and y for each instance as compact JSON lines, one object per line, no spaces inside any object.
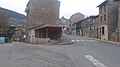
{"x":46,"y":33}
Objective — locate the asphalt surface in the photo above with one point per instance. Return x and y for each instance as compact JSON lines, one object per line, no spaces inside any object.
{"x":18,"y":54}
{"x":83,"y":52}
{"x":102,"y":54}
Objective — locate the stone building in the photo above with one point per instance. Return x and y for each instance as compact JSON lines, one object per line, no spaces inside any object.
{"x":108,"y":23}
{"x":94,"y":23}
{"x":41,"y":12}
{"x":88,"y":27}
{"x":63,"y":22}
{"x":19,"y":34}
{"x":118,"y":31}
{"x":42,"y":16}
{"x":82,"y":27}
{"x":68,"y":27}
{"x":73,"y":20}
{"x":79,"y":27}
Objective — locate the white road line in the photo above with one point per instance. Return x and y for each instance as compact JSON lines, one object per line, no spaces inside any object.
{"x":78,"y":40}
{"x":95,"y":61}
{"x":82,"y":40}
{"x":72,"y":40}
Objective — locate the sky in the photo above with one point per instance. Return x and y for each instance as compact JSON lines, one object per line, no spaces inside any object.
{"x":67,"y":7}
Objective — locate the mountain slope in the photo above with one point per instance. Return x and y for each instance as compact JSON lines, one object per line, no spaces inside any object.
{"x":13,"y":14}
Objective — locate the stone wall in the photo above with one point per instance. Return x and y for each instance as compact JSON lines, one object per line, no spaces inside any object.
{"x":94,"y":27}
{"x":85,"y":27}
{"x":43,"y":12}
{"x":119,"y":23}
{"x":115,"y":37}
{"x":73,"y":20}
{"x":112,"y":18}
{"x":35,"y":40}
{"x":42,"y":40}
{"x":110,"y":9}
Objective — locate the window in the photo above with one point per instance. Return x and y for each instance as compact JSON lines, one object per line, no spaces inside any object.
{"x":100,"y":30}
{"x":105,"y":17}
{"x":104,"y":7}
{"x":100,"y":9}
{"x":101,"y":18}
{"x":93,"y":20}
{"x":103,"y":30}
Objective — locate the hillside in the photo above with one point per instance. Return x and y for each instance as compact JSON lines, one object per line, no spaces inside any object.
{"x":13,"y":14}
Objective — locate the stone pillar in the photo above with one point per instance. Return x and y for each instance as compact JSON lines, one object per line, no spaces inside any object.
{"x":46,"y":33}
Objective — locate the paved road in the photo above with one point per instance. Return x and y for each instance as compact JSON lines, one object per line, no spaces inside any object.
{"x":83,"y":53}
{"x":30,"y":55}
{"x":92,"y":53}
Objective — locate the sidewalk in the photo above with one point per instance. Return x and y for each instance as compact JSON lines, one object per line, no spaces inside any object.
{"x":64,"y":41}
{"x":61,"y":43}
{"x":105,"y":41}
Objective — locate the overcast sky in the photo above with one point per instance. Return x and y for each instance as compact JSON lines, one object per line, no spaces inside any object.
{"x":68,"y":7}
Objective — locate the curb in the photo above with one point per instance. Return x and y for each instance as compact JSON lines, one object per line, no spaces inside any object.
{"x":67,"y":43}
{"x":110,"y":42}
{"x":105,"y":41}
{"x":61,"y":43}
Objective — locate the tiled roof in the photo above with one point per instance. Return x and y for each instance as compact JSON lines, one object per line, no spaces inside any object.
{"x":47,"y":25}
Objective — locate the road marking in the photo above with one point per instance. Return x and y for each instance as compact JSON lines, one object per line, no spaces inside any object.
{"x":72,"y":40}
{"x":95,"y":61}
{"x":82,"y":40}
{"x":78,"y":40}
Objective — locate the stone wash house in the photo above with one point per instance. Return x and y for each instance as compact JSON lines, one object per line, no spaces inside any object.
{"x":108,"y":21}
{"x":42,"y":16}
